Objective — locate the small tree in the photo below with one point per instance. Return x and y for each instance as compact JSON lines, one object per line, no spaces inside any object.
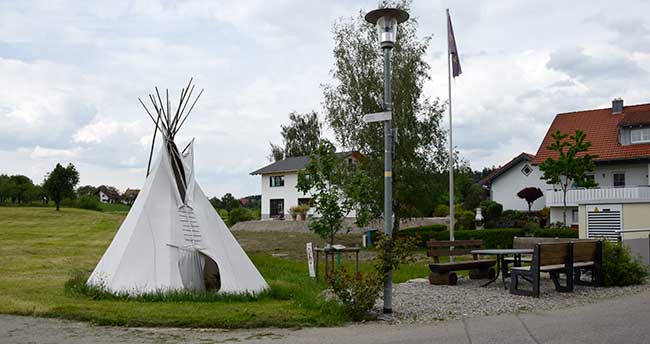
{"x":530,"y":194}
{"x":336,"y":188}
{"x":216,"y":203}
{"x":229,"y":202}
{"x":60,"y":183}
{"x":86,"y":190}
{"x":570,"y":165}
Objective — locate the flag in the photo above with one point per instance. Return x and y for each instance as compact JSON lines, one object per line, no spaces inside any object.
{"x":453,"y":51}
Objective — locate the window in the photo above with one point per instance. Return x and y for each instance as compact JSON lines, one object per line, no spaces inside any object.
{"x":526,"y":170}
{"x":640,"y":135}
{"x":304,"y":201}
{"x":619,"y":179}
{"x":575,"y":218}
{"x":276,"y":181}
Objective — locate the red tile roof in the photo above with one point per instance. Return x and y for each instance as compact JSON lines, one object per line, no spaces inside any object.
{"x":601,"y":127}
{"x":502,"y":169}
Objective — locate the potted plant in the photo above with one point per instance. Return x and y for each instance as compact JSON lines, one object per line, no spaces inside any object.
{"x":294,"y":211}
{"x":303,"y":209}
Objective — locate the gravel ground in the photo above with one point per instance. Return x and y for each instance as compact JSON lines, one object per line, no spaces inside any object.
{"x":417,"y":301}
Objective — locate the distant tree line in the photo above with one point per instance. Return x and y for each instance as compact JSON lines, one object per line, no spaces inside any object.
{"x":60,"y":188}
{"x":19,"y":189}
{"x":233,"y":210}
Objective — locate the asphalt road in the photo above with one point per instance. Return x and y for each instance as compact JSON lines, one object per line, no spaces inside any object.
{"x":621,"y":320}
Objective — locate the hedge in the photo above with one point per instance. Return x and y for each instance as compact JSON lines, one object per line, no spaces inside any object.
{"x":556,"y":233}
{"x":492,"y":238}
{"x":422,"y":233}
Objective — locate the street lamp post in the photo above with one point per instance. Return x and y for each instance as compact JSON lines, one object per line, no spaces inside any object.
{"x":386,"y":20}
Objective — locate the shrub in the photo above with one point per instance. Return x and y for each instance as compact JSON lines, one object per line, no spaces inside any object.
{"x":303,"y":208}
{"x":545,"y":212}
{"x":294,"y":210}
{"x":239,"y":215}
{"x":531,"y":227}
{"x":466,"y":220}
{"x":223,"y":214}
{"x":441,"y":210}
{"x":357,"y":293}
{"x":558,"y":225}
{"x":619,"y":267}
{"x":491,"y":210}
{"x":420,"y":235}
{"x":88,"y":202}
{"x":556,"y":233}
{"x":458,"y":208}
{"x":67,"y":202}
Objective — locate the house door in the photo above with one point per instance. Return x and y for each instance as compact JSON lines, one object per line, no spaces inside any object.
{"x":276,"y":208}
{"x":603,"y":220}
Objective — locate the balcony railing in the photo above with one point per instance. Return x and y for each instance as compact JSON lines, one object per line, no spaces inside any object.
{"x":575,"y":196}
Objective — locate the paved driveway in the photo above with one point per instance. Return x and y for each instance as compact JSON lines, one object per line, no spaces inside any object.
{"x":621,"y":320}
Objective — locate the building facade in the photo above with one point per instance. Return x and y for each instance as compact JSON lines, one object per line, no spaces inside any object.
{"x":620,"y":138}
{"x":279,"y":185}
{"x":506,"y":181}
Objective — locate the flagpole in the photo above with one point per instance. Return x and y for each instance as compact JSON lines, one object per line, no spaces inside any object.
{"x":451,"y":144}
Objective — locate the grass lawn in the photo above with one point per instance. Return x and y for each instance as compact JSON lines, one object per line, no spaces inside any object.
{"x":113,"y":207}
{"x":41,"y":249}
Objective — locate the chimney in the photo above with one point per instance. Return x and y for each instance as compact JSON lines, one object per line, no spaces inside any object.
{"x":617,"y":106}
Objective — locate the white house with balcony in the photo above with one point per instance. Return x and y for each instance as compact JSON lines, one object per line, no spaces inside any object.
{"x":620,"y":137}
{"x":279,"y":185}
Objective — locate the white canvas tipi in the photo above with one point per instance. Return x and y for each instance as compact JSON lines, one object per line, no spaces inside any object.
{"x":172,"y":238}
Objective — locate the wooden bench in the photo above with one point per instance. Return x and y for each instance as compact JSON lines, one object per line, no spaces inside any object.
{"x":528,"y":243}
{"x":553,"y":257}
{"x":443,"y":273}
{"x":587,"y":256}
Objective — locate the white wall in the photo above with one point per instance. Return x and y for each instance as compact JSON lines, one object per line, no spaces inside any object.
{"x":288,"y":192}
{"x":505,"y":187}
{"x":635,"y":174}
{"x":557,"y":215}
{"x":103,"y":197}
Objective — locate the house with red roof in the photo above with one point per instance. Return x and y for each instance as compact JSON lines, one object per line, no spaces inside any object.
{"x":620,"y":137}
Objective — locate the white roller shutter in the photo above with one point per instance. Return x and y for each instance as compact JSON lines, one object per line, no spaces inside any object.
{"x":603,"y":220}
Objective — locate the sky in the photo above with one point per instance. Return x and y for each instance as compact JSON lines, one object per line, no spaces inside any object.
{"x":71,"y":73}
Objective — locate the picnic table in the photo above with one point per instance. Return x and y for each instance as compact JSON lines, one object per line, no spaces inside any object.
{"x":502,"y":267}
{"x":336,"y":250}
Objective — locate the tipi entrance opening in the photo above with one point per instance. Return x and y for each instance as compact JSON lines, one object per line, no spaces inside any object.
{"x":211,"y":274}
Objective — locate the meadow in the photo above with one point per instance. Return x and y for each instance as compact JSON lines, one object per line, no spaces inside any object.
{"x":40,"y":250}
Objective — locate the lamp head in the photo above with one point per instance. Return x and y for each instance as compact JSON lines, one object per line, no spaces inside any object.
{"x":386,"y":20}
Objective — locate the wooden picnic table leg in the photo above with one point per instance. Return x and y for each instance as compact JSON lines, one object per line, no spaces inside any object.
{"x":504,"y":267}
{"x":496,"y":275}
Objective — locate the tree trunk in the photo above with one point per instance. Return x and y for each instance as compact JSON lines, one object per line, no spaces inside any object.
{"x":57,"y":205}
{"x":564,"y":191}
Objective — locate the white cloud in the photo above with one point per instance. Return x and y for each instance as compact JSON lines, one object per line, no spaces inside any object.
{"x":101,"y":129}
{"x":54,"y":154}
